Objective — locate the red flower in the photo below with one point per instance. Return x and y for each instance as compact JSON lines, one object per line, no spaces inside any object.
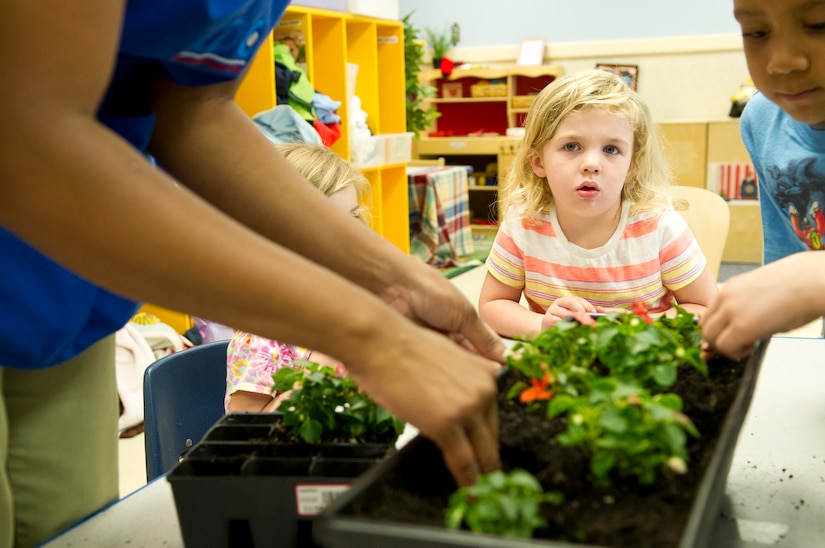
{"x":640,"y":308}
{"x":538,"y":391}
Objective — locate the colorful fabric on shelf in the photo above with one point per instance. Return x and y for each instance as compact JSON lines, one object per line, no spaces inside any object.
{"x":439,"y":213}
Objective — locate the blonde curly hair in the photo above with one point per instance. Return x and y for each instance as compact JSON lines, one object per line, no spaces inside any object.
{"x":329,"y":172}
{"x":648,"y":181}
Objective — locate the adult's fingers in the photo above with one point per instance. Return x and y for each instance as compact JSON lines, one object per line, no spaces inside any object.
{"x":472,"y":449}
{"x":483,"y":340}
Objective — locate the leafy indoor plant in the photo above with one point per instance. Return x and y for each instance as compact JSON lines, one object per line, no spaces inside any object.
{"x":324,"y":406}
{"x":258,"y":479}
{"x":636,"y":485}
{"x":419,"y":115}
{"x":440,"y":41}
{"x":609,"y":378}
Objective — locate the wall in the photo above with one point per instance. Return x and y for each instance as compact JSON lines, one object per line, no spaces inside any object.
{"x":682,"y":78}
{"x":489,"y":23}
{"x":689,"y":65}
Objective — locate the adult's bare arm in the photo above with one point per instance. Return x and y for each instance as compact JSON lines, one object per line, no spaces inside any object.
{"x":264,"y":193}
{"x":85,"y":197}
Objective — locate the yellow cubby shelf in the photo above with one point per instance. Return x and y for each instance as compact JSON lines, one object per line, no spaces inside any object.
{"x":332,"y":40}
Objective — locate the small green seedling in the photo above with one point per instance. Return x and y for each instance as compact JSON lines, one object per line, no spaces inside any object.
{"x":501,"y":503}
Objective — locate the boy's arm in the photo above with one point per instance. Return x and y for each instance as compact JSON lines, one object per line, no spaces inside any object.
{"x":775,"y":298}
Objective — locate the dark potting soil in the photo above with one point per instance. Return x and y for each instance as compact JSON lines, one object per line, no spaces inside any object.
{"x":623,"y":515}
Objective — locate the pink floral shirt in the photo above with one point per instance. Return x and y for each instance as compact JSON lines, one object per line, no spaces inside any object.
{"x":252,"y":360}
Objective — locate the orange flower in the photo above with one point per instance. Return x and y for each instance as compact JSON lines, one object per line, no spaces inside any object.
{"x":640,"y":308}
{"x":538,"y":391}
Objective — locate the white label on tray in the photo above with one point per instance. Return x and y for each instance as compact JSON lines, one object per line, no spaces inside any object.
{"x":311,"y":499}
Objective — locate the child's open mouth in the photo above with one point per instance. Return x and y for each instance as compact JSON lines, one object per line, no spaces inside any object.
{"x":587,"y":190}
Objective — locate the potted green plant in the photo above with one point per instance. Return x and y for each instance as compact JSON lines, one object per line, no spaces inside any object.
{"x":419,"y":115}
{"x":606,"y":414}
{"x":259,"y":479}
{"x":440,"y":41}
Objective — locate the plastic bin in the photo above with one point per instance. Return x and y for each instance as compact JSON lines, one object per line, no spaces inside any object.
{"x":240,"y":488}
{"x":388,"y":148}
{"x":397,"y":148}
{"x":384,"y":9}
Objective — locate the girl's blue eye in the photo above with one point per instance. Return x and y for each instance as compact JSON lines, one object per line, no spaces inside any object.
{"x":571,"y":146}
{"x":610,"y":149}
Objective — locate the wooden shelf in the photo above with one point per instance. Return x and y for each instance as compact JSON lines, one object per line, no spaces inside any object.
{"x":491,"y":114}
{"x":464,"y":115}
{"x":470,"y":100}
{"x":495,"y":72}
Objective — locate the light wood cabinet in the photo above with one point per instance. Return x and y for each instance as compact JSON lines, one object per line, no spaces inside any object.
{"x":685,"y":145}
{"x":744,"y":244}
{"x":334,"y":41}
{"x":476,"y":107}
{"x":691,"y":148}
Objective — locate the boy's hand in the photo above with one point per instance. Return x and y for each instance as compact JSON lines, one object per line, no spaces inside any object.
{"x":775,"y":298}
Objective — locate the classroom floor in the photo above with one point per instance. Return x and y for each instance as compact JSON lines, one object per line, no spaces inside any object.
{"x":132,"y":455}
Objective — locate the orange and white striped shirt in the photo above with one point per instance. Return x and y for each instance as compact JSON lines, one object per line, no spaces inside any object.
{"x":651,"y":254}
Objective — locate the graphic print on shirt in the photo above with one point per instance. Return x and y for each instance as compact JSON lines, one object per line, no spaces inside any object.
{"x":798,"y":191}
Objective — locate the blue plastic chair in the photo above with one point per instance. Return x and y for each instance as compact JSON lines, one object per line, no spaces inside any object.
{"x":182,"y":398}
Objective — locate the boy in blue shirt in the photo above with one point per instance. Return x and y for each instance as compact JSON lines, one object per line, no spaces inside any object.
{"x":783,"y":127}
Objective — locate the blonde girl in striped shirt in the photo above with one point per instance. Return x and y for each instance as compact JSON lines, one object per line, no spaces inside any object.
{"x":588,"y":223}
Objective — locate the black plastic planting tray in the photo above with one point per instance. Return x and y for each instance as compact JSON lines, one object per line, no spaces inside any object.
{"x":358,"y":519}
{"x":240,"y":488}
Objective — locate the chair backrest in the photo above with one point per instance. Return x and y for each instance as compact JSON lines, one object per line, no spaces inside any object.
{"x":183,"y":397}
{"x":708,"y":216}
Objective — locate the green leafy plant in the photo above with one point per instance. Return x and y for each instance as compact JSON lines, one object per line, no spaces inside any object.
{"x":419,"y":116}
{"x":501,"y":503}
{"x":440,"y":41}
{"x":609,"y":378}
{"x":325,"y":407}
{"x":626,"y":431}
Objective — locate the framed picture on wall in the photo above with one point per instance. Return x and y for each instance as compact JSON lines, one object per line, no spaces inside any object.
{"x":531,"y":52}
{"x":628,"y":73}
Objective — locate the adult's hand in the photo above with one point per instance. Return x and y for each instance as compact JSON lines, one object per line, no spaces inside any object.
{"x":446,"y":392}
{"x":428,"y":298}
